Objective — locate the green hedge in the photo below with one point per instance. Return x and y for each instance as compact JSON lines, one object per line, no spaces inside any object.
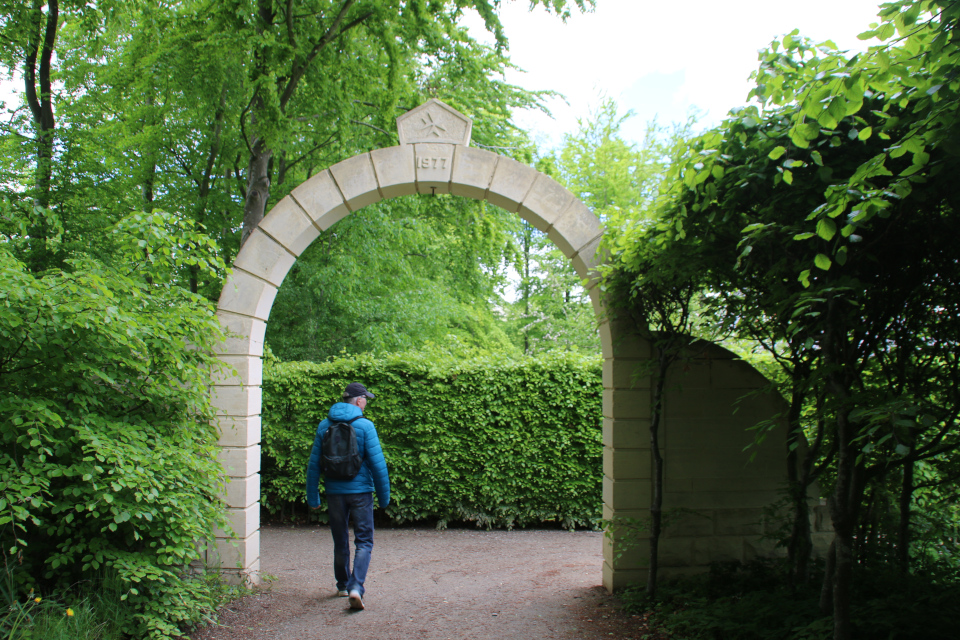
{"x":500,"y":443}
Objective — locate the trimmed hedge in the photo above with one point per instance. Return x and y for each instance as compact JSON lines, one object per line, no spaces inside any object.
{"x":499,"y":443}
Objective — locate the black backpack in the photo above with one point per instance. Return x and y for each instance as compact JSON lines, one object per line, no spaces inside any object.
{"x":339,"y":456}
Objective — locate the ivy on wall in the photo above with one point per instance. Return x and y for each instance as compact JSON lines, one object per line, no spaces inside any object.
{"x":500,"y":443}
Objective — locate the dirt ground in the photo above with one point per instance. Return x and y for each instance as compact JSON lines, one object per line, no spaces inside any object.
{"x":432,"y":585}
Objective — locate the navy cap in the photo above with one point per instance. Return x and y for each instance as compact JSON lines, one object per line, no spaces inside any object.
{"x":356,"y":390}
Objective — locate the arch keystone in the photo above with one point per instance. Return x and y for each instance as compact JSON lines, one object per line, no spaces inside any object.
{"x":434,"y":165}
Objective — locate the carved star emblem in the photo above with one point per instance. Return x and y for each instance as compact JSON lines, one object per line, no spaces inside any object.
{"x":430,"y":127}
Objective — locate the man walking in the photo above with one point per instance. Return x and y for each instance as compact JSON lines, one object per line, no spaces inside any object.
{"x":351,"y":497}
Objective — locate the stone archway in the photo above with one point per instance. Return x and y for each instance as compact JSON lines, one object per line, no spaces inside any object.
{"x":706,"y":467}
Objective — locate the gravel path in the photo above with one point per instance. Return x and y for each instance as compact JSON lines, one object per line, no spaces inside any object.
{"x":431,"y":585}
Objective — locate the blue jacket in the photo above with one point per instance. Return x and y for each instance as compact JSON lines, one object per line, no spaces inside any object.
{"x":373,"y":473}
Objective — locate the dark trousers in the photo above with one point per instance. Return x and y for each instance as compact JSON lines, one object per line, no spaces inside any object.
{"x":341,"y":508}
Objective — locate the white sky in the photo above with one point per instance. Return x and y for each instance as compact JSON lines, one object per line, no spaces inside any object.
{"x":660,"y":58}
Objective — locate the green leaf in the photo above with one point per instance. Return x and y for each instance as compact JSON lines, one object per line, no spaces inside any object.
{"x":826,"y":229}
{"x":788,"y":176}
{"x":865,"y":133}
{"x":822,"y":262}
{"x":777,"y":153}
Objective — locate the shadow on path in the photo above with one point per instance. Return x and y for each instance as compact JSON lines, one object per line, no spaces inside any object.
{"x":431,"y":585}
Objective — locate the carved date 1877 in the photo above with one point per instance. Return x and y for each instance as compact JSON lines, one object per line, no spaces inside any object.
{"x":432,"y":163}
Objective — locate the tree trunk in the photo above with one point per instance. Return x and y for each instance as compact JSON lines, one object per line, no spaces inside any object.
{"x":826,"y":591}
{"x":656,"y":503}
{"x":844,"y":508}
{"x":800,"y":545}
{"x":258,"y":188}
{"x":903,"y":532}
{"x":41,"y":108}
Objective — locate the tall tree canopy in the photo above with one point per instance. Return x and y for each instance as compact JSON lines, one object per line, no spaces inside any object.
{"x":820,"y":226}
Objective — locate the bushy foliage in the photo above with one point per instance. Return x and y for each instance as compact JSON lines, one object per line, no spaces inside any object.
{"x":502,"y":443}
{"x":107,"y":454}
{"x":755,"y":602}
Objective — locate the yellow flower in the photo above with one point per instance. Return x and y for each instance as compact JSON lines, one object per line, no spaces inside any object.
{"x":69,"y":612}
{"x":37,"y":599}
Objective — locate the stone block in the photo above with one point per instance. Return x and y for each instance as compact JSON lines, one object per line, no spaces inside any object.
{"x":236,"y":401}
{"x":265,"y":258}
{"x":627,"y":373}
{"x":632,"y":404}
{"x":574,"y":229}
{"x":588,"y":258}
{"x":717,"y":549}
{"x":357,"y":181}
{"x":820,"y":521}
{"x":395,"y":172}
{"x":599,"y":308}
{"x":738,"y":522}
{"x":248,"y":576}
{"x":321,"y":199}
{"x":234,"y":553}
{"x":245,"y":335}
{"x":626,"y":434}
{"x":626,"y":494}
{"x":674,"y":573}
{"x":545,"y":202}
{"x":688,"y":523}
{"x":511,"y":182}
{"x":290,"y":226}
{"x":746,"y":484}
{"x":472,"y":172}
{"x":737,"y":374}
{"x":240,"y":493}
{"x":239,"y":371}
{"x":720,"y":463}
{"x":246,"y":295}
{"x":240,"y":462}
{"x":609,"y":513}
{"x":239,"y":432}
{"x":821,"y":543}
{"x":243,"y":522}
{"x":616,"y":579}
{"x":623,"y":464}
{"x":622,"y":343}
{"x":434,"y":166}
{"x":627,"y":552}
{"x":718,"y":499}
{"x":756,"y":547}
{"x":676,"y":552}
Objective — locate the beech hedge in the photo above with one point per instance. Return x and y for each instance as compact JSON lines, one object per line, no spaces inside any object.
{"x":502,"y":443}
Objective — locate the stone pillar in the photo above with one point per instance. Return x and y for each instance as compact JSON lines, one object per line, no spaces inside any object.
{"x":626,"y":453}
{"x":237,"y":398}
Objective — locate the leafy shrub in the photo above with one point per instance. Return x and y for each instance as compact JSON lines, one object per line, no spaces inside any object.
{"x":756,"y":602}
{"x":502,"y":443}
{"x":107,"y":455}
